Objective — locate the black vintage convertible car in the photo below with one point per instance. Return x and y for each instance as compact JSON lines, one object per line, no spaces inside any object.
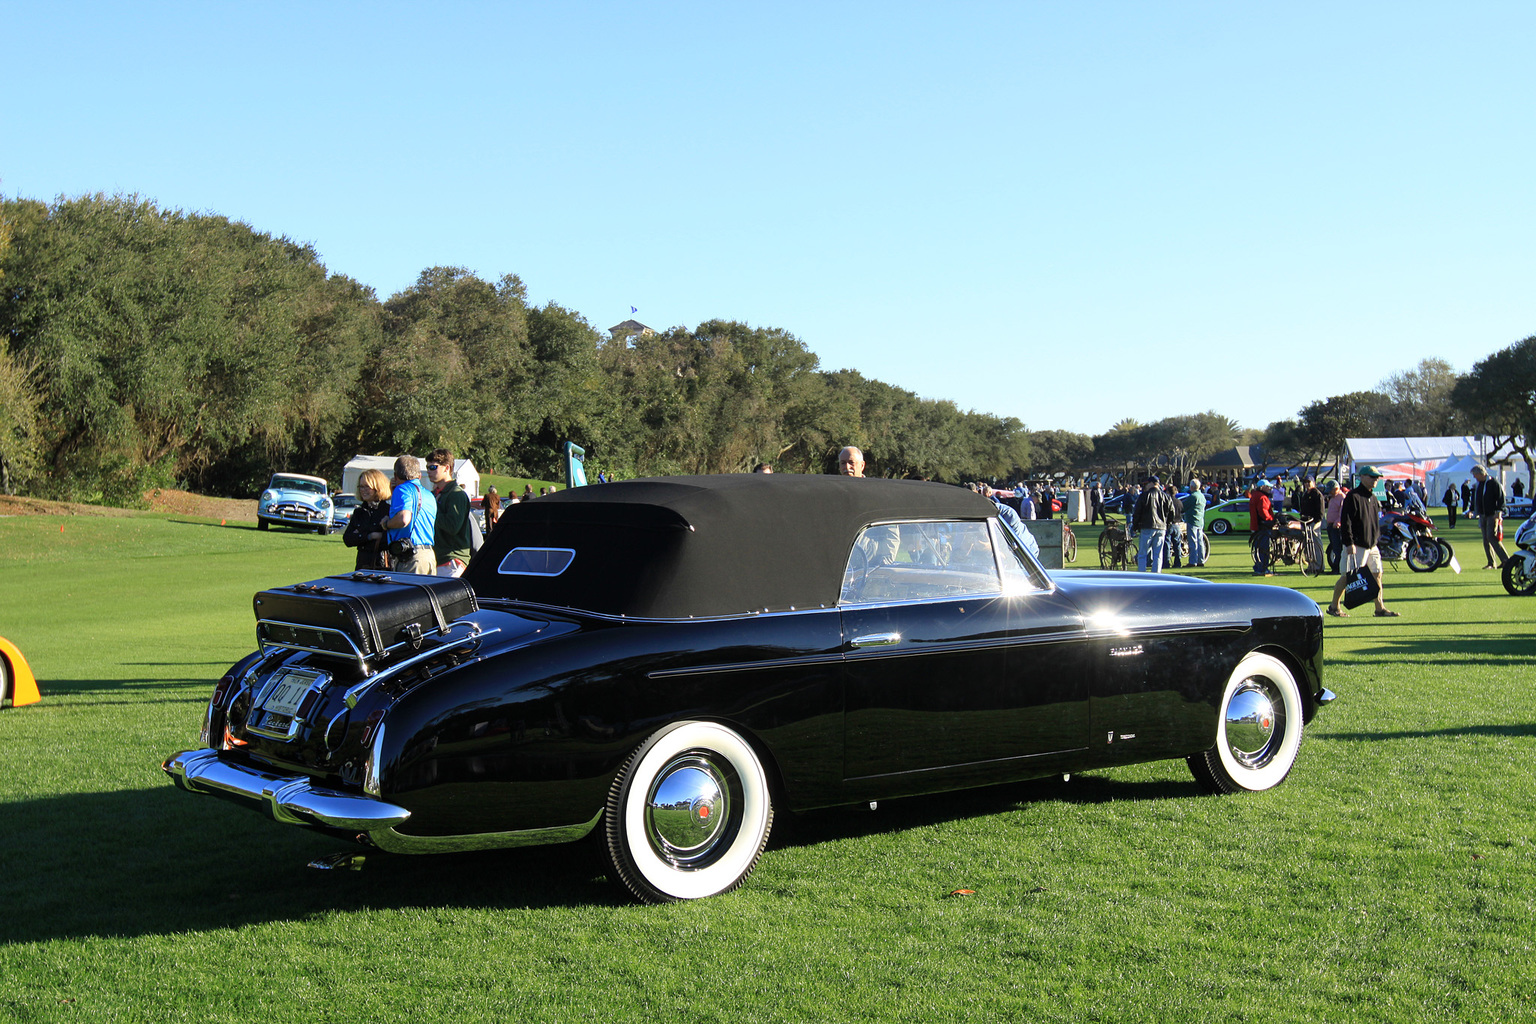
{"x":665,"y":663}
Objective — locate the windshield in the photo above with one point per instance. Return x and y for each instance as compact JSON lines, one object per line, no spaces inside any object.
{"x":294,"y":483}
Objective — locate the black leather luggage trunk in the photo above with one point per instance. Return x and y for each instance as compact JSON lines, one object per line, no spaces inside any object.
{"x":361,"y":615}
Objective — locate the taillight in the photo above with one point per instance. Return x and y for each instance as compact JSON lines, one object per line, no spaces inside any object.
{"x":371,"y":724}
{"x":214,"y":717}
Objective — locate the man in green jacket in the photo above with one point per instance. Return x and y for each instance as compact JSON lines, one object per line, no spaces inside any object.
{"x":451,"y":536}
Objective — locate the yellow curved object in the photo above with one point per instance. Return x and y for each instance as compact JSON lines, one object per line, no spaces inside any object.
{"x":23,"y":682}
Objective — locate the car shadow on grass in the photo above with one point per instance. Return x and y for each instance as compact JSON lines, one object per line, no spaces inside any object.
{"x":905,"y":813}
{"x":194,"y":690}
{"x":156,"y":861}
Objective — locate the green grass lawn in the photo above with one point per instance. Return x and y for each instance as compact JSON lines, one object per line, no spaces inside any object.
{"x":509,"y":485}
{"x":1391,"y":878}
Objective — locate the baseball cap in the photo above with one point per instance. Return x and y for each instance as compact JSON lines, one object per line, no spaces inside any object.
{"x":1368,"y":471}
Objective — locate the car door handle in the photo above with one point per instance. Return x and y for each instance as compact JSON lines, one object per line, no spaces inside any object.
{"x":875,"y":640}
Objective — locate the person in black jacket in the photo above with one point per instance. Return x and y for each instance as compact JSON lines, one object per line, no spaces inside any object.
{"x":1488,"y":506}
{"x":1153,"y":511}
{"x":365,"y":530}
{"x":1449,"y":501}
{"x":1309,"y":503}
{"x":1360,"y":529}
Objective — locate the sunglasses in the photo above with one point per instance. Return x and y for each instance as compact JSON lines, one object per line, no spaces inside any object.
{"x":432,"y":465}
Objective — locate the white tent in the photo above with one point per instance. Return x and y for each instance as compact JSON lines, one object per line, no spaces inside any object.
{"x":1450,"y":473}
{"x":464,"y":472}
{"x":1406,"y":458}
{"x":358,"y":463}
{"x":468,"y":477}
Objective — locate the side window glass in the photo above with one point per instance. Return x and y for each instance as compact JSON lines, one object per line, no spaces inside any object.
{"x":920,"y":562}
{"x":1021,"y":574}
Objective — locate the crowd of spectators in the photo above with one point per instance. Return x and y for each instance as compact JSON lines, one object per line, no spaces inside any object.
{"x":396,"y":526}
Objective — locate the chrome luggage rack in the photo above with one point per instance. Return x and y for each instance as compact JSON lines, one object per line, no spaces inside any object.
{"x":335,"y":643}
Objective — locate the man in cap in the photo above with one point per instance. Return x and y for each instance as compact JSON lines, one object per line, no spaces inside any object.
{"x":1488,"y":506}
{"x":1261,"y":520}
{"x":1360,"y":529}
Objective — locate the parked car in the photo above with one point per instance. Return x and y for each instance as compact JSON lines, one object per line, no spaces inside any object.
{"x":293,"y":499}
{"x":665,"y":664}
{"x":342,"y":506}
{"x":1517,"y":508}
{"x":1125,"y":504}
{"x":1228,"y":516}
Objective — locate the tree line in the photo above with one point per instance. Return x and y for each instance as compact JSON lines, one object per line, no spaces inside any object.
{"x":144,"y":347}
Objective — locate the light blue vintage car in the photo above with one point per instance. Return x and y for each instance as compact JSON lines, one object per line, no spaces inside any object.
{"x":293,"y":499}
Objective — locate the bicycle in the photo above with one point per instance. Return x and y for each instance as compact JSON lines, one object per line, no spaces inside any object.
{"x":1068,"y":543}
{"x":1287,"y":545}
{"x":1117,"y":549}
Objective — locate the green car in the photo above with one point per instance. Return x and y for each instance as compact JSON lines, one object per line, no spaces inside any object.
{"x":1228,"y":516}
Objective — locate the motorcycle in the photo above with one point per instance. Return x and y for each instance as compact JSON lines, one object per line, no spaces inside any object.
{"x":1520,"y":569}
{"x":1409,"y":534}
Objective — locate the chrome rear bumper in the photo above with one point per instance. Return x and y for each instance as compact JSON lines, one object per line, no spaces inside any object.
{"x":292,"y":799}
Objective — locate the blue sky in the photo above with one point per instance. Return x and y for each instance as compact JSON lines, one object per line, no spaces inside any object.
{"x":1068,"y":213}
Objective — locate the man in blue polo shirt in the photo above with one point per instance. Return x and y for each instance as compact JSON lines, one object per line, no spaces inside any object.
{"x":412,"y":520}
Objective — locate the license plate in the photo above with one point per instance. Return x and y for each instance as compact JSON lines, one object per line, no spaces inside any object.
{"x":287,"y":695}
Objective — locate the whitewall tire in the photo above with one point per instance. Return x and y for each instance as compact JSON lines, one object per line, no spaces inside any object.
{"x":688,"y":815}
{"x":1258,"y":729}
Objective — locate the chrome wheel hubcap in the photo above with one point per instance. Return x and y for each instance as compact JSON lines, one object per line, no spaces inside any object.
{"x":1255,"y":723}
{"x":687,"y":810}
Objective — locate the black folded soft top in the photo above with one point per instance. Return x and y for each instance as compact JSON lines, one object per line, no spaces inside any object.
{"x":675,"y":547}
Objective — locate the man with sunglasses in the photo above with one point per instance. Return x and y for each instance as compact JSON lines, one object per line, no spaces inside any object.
{"x":451,"y":535}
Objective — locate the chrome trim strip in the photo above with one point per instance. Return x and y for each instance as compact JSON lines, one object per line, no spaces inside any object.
{"x":746,"y":666}
{"x":1176,"y":630}
{"x":995,"y":595}
{"x":517,"y":607}
{"x":291,"y":799}
{"x":371,"y":784}
{"x":393,"y":841}
{"x":1020,"y":758}
{"x":950,"y":646}
{"x":836,"y":657}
